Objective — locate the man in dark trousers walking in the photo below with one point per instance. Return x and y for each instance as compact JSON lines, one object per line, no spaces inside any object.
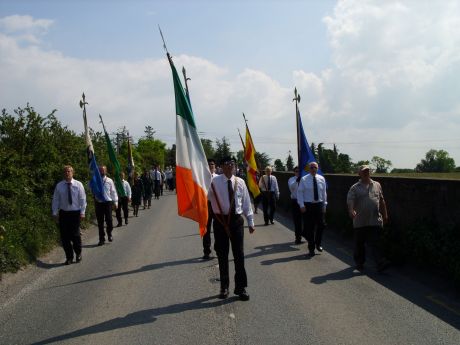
{"x":69,"y":205}
{"x":229,"y":198}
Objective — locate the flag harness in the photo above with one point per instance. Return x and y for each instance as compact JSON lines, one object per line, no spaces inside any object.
{"x":220,"y":216}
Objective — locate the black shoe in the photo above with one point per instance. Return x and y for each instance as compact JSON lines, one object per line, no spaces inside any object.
{"x":101,"y":243}
{"x":266,"y":223}
{"x":272,"y":222}
{"x":78,"y":258}
{"x":311,"y":253}
{"x":206,"y":257}
{"x":119,"y":224}
{"x":298,"y":241}
{"x":319,"y":248}
{"x":68,"y":262}
{"x":126,"y":221}
{"x":110,"y":238}
{"x":223,"y":293}
{"x":359,"y":267}
{"x":244,"y":296}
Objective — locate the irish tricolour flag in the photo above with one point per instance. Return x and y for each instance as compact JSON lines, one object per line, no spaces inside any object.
{"x":192,"y":172}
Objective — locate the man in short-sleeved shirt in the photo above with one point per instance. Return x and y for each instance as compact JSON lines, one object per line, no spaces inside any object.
{"x":367,"y":208}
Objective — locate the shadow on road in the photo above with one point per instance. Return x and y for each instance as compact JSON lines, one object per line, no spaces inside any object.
{"x":274,"y":248}
{"x":346,"y":273}
{"x":139,"y":270}
{"x":46,"y":265}
{"x":426,"y":290}
{"x":140,"y":317}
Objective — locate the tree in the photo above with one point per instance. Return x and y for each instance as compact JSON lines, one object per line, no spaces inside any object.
{"x":279,"y":166}
{"x":289,"y":163}
{"x":152,"y":152}
{"x":222,"y":150}
{"x":381,"y":165}
{"x":209,"y":150}
{"x":170,"y":156}
{"x":149,"y":132}
{"x":262,"y":160}
{"x":436,"y":161}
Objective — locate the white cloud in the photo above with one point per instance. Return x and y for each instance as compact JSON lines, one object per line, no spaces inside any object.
{"x":391,"y":90}
{"x":25,"y":28}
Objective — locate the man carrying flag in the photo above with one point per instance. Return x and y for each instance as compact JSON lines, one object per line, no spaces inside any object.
{"x":119,"y":185}
{"x":311,"y":189}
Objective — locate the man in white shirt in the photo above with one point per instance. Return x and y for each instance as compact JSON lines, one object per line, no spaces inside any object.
{"x":230,"y":199}
{"x":104,"y":207}
{"x":268,"y":185}
{"x":207,"y":235}
{"x":312,"y":200}
{"x":293,"y":184}
{"x":123,"y":202}
{"x":68,"y":207}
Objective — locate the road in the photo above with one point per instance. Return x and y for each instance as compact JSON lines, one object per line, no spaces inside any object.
{"x":150,"y":286}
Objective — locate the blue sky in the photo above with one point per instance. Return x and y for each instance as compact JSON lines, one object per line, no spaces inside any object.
{"x":376,"y":78}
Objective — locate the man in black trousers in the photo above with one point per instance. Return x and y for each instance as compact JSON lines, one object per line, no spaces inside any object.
{"x":207,"y":235}
{"x":312,"y":200}
{"x":104,"y":207}
{"x":68,"y":206}
{"x":229,"y":198}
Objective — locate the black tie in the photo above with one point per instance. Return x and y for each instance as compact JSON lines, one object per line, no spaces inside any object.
{"x":315,"y":188}
{"x":230,"y":197}
{"x":69,"y":193}
{"x":269,"y":184}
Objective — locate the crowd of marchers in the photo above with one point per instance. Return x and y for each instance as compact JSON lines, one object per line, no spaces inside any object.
{"x":228,"y":201}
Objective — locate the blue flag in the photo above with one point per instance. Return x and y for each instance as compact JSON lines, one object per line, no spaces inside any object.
{"x":304,"y":152}
{"x":95,"y":184}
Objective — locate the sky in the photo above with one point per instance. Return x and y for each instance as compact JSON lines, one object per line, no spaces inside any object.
{"x":377,"y":78}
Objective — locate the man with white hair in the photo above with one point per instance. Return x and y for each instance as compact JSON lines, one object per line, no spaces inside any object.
{"x":268,"y":185}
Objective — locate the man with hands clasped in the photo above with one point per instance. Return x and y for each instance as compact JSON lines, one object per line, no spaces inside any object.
{"x":312,"y":200}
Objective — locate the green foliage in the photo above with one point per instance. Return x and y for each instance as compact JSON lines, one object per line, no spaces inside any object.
{"x":152,"y":151}
{"x":290,"y":163}
{"x":401,"y":171}
{"x":381,"y":165}
{"x":436,"y":161}
{"x":222,"y":149}
{"x":279,"y":166}
{"x":331,"y":161}
{"x":33,"y":151}
{"x":209,"y":150}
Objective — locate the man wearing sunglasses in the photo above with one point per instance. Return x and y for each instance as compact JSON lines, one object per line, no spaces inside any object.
{"x":312,"y":200}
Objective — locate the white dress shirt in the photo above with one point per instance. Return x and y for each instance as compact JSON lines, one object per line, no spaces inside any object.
{"x":305,"y":192}
{"x":263,"y":184}
{"x":127,"y":188}
{"x":293,"y":186}
{"x":110,"y":192}
{"x":242,"y":200}
{"x":61,"y":197}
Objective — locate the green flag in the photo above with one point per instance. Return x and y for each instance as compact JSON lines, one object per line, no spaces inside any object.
{"x":116,"y":165}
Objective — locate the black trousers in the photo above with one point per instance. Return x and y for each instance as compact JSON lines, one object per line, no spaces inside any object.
{"x":207,"y":235}
{"x":222,"y":249}
{"x":297,"y":218}
{"x":369,"y":235}
{"x":156,"y":189}
{"x":268,"y":202}
{"x":104,"y":212}
{"x":313,"y":223}
{"x":69,"y":228}
{"x":122,"y":204}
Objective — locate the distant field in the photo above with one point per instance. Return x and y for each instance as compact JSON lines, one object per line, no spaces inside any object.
{"x":444,"y":176}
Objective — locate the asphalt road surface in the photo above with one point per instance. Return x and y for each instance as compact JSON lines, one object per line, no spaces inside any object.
{"x":150,"y":286}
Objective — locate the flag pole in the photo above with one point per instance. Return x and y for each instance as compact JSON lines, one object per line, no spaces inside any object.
{"x":242,"y":143}
{"x":297,"y":101}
